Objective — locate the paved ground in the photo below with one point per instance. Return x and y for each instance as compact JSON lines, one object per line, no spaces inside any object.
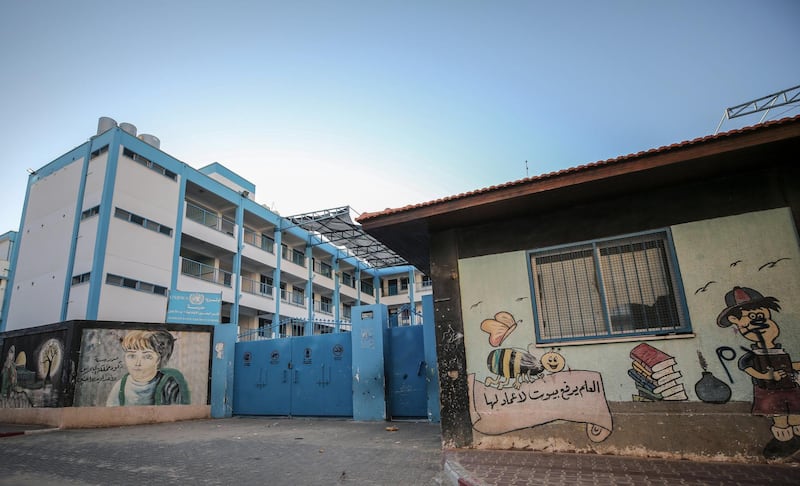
{"x":236,"y":451}
{"x":517,"y":468}
{"x":280,"y":451}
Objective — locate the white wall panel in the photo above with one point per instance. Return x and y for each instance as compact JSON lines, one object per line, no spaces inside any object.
{"x":44,"y":249}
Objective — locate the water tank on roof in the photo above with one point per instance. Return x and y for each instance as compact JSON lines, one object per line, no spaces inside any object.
{"x":150,"y":139}
{"x":128,"y":127}
{"x":105,"y":124}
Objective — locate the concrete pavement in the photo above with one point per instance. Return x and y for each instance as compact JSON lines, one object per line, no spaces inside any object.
{"x":314,"y":451}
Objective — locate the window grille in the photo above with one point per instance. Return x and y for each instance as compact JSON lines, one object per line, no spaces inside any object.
{"x":149,"y":163}
{"x":607,"y":289}
{"x":99,"y":152}
{"x":82,"y":278}
{"x":134,"y":284}
{"x":140,"y":221}
{"x":88,"y":213}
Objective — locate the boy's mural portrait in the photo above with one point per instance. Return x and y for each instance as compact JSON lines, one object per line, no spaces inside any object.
{"x":148,"y":380}
{"x":776,"y":393}
{"x":126,"y":367}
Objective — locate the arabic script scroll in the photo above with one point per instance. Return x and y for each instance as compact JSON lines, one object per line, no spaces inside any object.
{"x":576,"y":396}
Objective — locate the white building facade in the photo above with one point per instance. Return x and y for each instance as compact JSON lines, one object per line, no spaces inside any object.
{"x":113,"y":226}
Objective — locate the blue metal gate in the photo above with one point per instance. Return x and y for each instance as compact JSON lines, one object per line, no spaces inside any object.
{"x":308,"y":375}
{"x":406,"y":386}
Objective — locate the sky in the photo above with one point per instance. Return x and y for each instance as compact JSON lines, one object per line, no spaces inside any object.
{"x":382,"y":104}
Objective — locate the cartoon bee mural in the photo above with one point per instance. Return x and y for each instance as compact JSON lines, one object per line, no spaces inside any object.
{"x":553,"y":361}
{"x":512,"y":363}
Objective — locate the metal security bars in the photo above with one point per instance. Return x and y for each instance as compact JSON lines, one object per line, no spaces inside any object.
{"x":607,"y":289}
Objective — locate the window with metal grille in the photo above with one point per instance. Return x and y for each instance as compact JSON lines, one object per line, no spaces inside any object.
{"x":606,"y":289}
{"x":139,"y":220}
{"x":130,"y":283}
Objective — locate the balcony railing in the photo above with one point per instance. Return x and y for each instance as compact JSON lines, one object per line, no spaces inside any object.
{"x":256,"y":288}
{"x":259,"y":240}
{"x":294,"y":298}
{"x":323,"y":307}
{"x":209,"y":219}
{"x":323,"y":269}
{"x":205,"y":272}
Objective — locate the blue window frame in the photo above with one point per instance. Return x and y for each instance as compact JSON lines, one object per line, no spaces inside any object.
{"x":607,"y":289}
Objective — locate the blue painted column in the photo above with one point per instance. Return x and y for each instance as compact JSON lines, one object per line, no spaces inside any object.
{"x":103,"y":224}
{"x":432,"y":368}
{"x":337,"y":298}
{"x":222,"y":370}
{"x":309,"y":330}
{"x":237,"y":262}
{"x":412,"y":305}
{"x":76,"y":224}
{"x":276,"y":283}
{"x":369,"y":381}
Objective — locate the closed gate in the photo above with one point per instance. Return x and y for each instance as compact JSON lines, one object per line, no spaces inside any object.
{"x":406,"y":373}
{"x":307,"y":375}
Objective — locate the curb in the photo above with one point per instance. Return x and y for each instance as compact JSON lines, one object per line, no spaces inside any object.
{"x":459,"y":476}
{"x":27,"y":432}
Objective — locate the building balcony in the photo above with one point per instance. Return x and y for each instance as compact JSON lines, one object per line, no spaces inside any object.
{"x":206,"y":272}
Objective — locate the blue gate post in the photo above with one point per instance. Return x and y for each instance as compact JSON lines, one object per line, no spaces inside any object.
{"x":369,"y":381}
{"x":222,"y":363}
{"x":432,"y":368}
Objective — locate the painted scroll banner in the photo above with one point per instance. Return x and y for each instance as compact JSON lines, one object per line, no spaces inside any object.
{"x":576,"y":396}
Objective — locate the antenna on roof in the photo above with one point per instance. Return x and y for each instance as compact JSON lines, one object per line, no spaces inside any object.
{"x":765,"y":103}
{"x":526,"y":169}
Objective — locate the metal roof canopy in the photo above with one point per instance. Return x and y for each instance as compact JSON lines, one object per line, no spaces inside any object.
{"x":338,"y":228}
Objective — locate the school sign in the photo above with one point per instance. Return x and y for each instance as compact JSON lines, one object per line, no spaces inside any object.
{"x":194,"y":307}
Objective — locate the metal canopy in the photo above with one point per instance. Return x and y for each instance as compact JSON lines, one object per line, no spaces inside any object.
{"x":337,"y":227}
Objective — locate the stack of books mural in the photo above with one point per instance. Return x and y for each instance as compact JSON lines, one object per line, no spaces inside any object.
{"x":655,"y":375}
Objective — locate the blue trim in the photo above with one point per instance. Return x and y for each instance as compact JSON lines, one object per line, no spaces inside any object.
{"x":12,"y":237}
{"x":217,"y":168}
{"x":276,"y":281}
{"x":337,"y":299}
{"x":176,"y":249}
{"x":309,"y":327}
{"x":674,"y":270}
{"x":237,"y":264}
{"x":104,"y":221}
{"x":76,"y":224}
{"x":411,"y":303}
{"x":382,"y":272}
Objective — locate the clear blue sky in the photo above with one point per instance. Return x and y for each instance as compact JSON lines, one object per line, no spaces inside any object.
{"x":378,"y":104}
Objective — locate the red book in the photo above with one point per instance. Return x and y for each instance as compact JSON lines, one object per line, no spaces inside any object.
{"x":652,"y":359}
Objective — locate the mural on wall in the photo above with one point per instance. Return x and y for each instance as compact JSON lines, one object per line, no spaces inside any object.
{"x":512,"y":363}
{"x":499,"y":327}
{"x":709,"y":388}
{"x":148,"y":381}
{"x":31,"y":374}
{"x":142,"y":367}
{"x":526,"y":391}
{"x":655,"y":375}
{"x":774,"y":376}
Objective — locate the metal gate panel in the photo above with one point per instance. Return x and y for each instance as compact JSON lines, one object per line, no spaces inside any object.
{"x":322,"y":382}
{"x":262,"y":384}
{"x":406,"y":372}
{"x":308,"y":375}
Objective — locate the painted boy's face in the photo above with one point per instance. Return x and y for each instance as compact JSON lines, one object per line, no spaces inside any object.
{"x":757,"y":325}
{"x":142,"y":364}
